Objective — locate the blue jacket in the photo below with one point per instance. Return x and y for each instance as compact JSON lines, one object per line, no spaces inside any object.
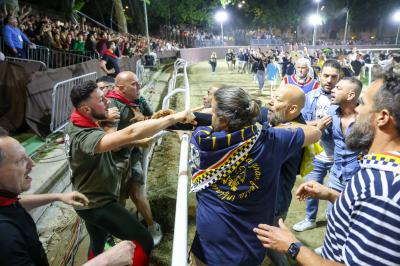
{"x":14,"y":37}
{"x":345,"y":163}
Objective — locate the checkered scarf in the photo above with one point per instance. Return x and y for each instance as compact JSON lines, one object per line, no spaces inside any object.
{"x":218,"y":154}
{"x":387,"y":161}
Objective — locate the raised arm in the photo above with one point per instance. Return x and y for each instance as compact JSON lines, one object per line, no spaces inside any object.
{"x":141,"y":130}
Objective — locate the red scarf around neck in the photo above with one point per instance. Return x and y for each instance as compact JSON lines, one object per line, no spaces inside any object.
{"x":82,"y":121}
{"x":109,"y":53}
{"x":7,"y":198}
{"x":117,"y":95}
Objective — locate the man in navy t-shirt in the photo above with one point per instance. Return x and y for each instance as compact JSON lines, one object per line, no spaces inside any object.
{"x":235,"y":169}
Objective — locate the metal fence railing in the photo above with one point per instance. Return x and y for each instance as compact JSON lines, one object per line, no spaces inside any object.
{"x":61,"y":103}
{"x":23,"y":60}
{"x":266,"y":41}
{"x":58,"y":58}
{"x":179,"y":250}
{"x":39,"y":53}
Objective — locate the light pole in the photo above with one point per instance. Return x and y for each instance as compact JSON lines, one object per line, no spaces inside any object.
{"x":221,"y":16}
{"x":146,"y":24}
{"x":315,"y":25}
{"x":396,"y":18}
{"x":345,"y":27}
{"x":315,"y":20}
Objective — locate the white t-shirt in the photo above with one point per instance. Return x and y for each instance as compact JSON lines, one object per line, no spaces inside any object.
{"x":323,"y":104}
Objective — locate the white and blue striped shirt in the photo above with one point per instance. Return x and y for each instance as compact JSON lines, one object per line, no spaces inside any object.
{"x":364,"y":223}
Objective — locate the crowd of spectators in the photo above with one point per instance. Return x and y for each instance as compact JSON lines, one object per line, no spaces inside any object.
{"x":79,"y":37}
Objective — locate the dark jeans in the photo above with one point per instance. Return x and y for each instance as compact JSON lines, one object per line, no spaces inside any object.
{"x":114,"y":219}
{"x":213,"y":66}
{"x":21,"y":53}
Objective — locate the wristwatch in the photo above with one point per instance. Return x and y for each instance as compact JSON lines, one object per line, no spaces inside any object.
{"x":294,"y":249}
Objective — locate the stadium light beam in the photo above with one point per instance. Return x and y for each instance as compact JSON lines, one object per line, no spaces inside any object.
{"x":315,"y":20}
{"x":221,"y":16}
{"x":146,"y":25}
{"x":345,"y":27}
{"x":396,"y":18}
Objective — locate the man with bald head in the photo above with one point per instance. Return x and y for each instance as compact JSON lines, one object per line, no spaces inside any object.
{"x":133,"y":108}
{"x":285,"y":108}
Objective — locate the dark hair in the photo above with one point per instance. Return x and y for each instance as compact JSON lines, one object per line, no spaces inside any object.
{"x":236,"y":107}
{"x":82,"y":92}
{"x":332,"y":63}
{"x":109,"y":43}
{"x":388,"y":96}
{"x":3,"y":133}
{"x":356,"y":83}
{"x":105,"y":79}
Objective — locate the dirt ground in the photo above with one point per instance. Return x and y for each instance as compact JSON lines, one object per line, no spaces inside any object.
{"x":163,"y":174}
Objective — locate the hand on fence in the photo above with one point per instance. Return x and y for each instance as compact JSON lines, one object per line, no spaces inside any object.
{"x":162,"y":113}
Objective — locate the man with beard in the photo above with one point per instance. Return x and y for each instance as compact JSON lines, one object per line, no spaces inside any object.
{"x":301,"y":78}
{"x":316,"y":112}
{"x":285,"y":108}
{"x":363,"y":226}
{"x":97,"y":173}
{"x":133,"y":108}
{"x":345,"y":96}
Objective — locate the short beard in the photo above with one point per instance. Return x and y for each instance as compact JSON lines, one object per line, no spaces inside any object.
{"x":276,"y":119}
{"x":361,"y":135}
{"x":99,"y":117}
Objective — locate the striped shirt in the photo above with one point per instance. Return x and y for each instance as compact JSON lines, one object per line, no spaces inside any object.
{"x":364,"y":223}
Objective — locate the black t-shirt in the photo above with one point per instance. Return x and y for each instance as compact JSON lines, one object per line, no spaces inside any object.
{"x":19,"y":243}
{"x":356,"y":65}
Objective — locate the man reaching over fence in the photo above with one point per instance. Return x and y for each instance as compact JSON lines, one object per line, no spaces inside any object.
{"x":97,"y":174}
{"x":133,"y":108}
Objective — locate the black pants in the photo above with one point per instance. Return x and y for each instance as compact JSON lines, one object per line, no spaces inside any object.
{"x":114,"y":219}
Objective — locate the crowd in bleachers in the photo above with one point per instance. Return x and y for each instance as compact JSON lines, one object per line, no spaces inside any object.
{"x":80,"y":37}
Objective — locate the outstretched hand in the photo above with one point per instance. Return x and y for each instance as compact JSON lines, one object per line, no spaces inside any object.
{"x":312,"y":189}
{"x":276,"y":238}
{"x":74,"y":198}
{"x":163,"y":113}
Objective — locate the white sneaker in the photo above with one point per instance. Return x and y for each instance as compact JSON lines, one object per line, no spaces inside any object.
{"x":318,"y":250}
{"x":304,"y":225}
{"x":156,"y":233}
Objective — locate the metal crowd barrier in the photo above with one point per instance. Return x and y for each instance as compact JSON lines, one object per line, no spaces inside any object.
{"x":58,"y":58}
{"x":61,"y":103}
{"x":16,"y":59}
{"x":40,"y":53}
{"x":179,"y":250}
{"x":208,"y":43}
{"x":265,"y":42}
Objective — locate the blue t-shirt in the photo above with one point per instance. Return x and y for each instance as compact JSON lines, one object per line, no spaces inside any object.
{"x":241,"y":196}
{"x":272,"y":71}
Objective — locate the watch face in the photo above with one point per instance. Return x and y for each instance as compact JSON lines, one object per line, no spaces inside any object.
{"x":293,"y":250}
